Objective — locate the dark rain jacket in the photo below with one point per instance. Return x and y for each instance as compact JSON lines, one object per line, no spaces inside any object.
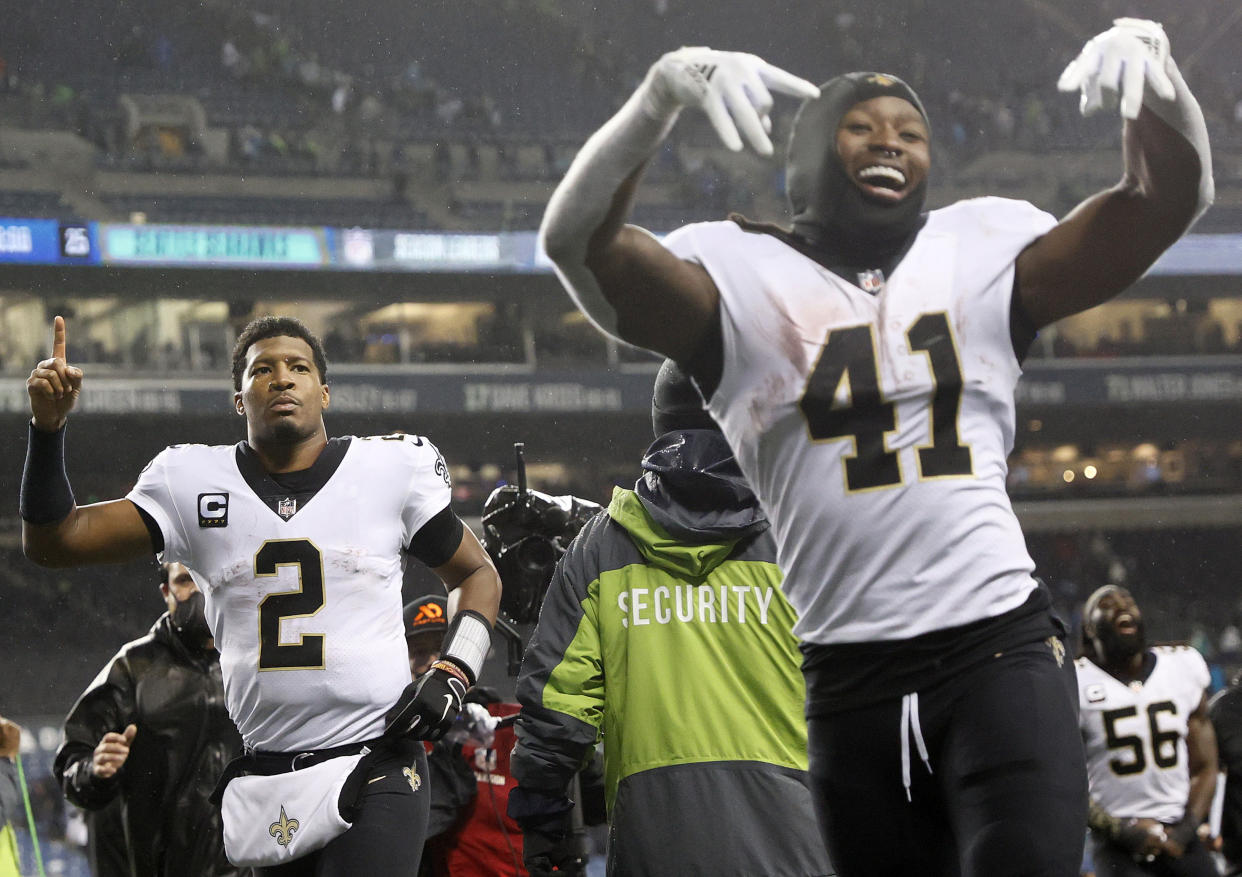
{"x":10,"y":807}
{"x":1226,"y":712}
{"x":664,"y":633}
{"x":185,"y":737}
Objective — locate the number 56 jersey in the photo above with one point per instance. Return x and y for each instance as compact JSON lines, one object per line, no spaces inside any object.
{"x":874,"y":427}
{"x":301,"y":578}
{"x":1135,"y":735}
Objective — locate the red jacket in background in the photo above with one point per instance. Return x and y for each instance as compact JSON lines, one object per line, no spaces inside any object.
{"x":485,"y":842}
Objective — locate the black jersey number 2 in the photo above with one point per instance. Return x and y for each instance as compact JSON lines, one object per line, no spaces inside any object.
{"x":849,"y":354}
{"x":307,"y":600}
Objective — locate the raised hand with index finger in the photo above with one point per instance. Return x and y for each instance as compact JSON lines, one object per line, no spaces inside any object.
{"x":54,"y":385}
{"x":734,"y":89}
{"x":1120,"y":64}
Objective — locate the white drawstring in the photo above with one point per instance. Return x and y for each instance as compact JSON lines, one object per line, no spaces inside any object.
{"x":910,"y":721}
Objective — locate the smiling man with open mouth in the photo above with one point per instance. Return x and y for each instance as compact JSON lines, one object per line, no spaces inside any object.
{"x":862,"y":365}
{"x":859,"y":203}
{"x":1151,"y":750}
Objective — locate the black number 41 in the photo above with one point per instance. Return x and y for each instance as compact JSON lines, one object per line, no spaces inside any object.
{"x":849,"y":355}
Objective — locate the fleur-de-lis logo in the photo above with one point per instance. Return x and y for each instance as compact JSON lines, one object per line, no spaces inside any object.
{"x":416,"y":782}
{"x":283,"y":830}
{"x":881,"y":80}
{"x":1058,"y":649}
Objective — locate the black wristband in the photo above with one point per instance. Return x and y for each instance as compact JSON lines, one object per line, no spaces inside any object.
{"x":46,"y":496}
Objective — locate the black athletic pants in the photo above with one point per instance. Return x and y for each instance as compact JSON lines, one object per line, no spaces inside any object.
{"x":386,"y":840}
{"x":1003,"y":791}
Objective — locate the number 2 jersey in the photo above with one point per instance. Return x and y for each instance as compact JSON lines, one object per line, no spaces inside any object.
{"x":875,"y":427}
{"x":302,"y":582}
{"x":1135,"y":734}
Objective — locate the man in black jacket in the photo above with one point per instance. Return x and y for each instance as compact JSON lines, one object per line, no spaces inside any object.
{"x":1225,"y":710}
{"x":146,"y":742}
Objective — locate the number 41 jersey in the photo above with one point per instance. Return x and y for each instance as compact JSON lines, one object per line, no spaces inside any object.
{"x":1135,"y":735}
{"x":303,"y":592}
{"x":874,"y":426}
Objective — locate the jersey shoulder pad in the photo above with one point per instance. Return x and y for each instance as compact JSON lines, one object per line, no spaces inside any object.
{"x":191,"y":449}
{"x":991,"y":211}
{"x":1181,"y":651}
{"x":697,"y":236}
{"x":404,"y":449}
{"x":1187,"y":660}
{"x":190,"y":456}
{"x":396,"y":435}
{"x":397,"y":441}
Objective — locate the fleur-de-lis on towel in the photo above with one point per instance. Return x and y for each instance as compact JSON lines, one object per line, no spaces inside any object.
{"x":283,"y":829}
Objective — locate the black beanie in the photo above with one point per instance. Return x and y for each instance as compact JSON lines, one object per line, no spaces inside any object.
{"x":828,"y":209}
{"x":676,"y":403}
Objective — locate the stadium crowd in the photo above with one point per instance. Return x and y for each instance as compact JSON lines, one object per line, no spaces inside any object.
{"x":301,"y":89}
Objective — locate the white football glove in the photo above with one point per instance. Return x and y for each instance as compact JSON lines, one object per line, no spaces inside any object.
{"x":1123,"y":60}
{"x":734,"y":89}
{"x":474,"y":725}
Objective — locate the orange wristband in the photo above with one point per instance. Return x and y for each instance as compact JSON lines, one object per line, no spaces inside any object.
{"x":452,"y":669}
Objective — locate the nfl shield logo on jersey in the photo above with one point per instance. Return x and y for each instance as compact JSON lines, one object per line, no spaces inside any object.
{"x":286,"y":508}
{"x":871,"y":281}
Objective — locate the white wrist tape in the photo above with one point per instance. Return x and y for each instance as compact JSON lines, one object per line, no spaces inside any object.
{"x":467,"y":642}
{"x":583,"y":199}
{"x":1184,"y":116}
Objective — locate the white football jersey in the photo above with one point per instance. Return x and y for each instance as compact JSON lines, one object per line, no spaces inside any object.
{"x":875,"y":427}
{"x":1135,"y":735}
{"x":305,"y":604}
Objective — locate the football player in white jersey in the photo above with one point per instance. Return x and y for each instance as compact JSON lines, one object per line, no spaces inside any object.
{"x":1151,"y":749}
{"x":298,"y":543}
{"x":862,"y":366}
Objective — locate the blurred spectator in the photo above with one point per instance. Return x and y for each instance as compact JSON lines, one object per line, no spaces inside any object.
{"x":152,"y":732}
{"x":1151,"y":779}
{"x":10,"y":797}
{"x":469,"y":834}
{"x":340,"y":99}
{"x":1226,"y":712}
{"x":231,"y":59}
{"x":163,"y":53}
{"x":1230,"y":644}
{"x":426,"y":621}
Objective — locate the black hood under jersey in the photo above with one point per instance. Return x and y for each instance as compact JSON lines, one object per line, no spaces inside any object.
{"x":691,"y":484}
{"x":693,"y":488}
{"x":830,"y":212}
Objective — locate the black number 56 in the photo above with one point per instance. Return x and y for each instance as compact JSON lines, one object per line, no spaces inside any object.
{"x":1163,"y":743}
